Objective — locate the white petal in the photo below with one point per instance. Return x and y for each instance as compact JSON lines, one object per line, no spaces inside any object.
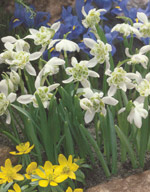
{"x":142,"y":17}
{"x":92,"y":62}
{"x":33,"y":31}
{"x":88,"y":92}
{"x":85,"y":83}
{"x":121,"y":110}
{"x":8,"y":117}
{"x":89,"y":42}
{"x":68,"y":80}
{"x":93,"y":74}
{"x":56,"y":26}
{"x":9,"y":46}
{"x":127,"y":52}
{"x":144,"y":49}
{"x":35,"y":56}
{"x":53,"y":42}
{"x":12,"y":97}
{"x":8,"y":39}
{"x":73,"y":61}
{"x":25,"y":99}
{"x":55,"y":61}
{"x":29,"y":37}
{"x":112,"y":90}
{"x":4,"y":87}
{"x":89,"y":116}
{"x":110,"y":100}
{"x":137,"y":119}
{"x":38,"y":79}
{"x":30,"y":69}
{"x":54,"y":86}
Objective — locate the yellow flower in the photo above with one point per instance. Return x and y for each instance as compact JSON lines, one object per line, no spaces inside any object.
{"x":66,"y":167}
{"x":30,"y":170}
{"x":48,"y":175}
{"x":9,"y":173}
{"x":76,"y":190}
{"x":23,"y":148}
{"x":16,"y":188}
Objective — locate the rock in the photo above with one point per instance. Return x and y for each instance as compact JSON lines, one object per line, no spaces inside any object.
{"x":134,"y":183}
{"x":4,"y":154}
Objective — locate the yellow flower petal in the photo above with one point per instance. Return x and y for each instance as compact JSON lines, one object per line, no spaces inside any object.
{"x":40,"y":173}
{"x":8,"y":163}
{"x":61,"y":178}
{"x":70,"y":159}
{"x":18,"y":167}
{"x":71,"y":175}
{"x":52,"y":183}
{"x":43,"y":183}
{"x":19,"y":177}
{"x":17,"y":187}
{"x":69,"y":189}
{"x":62,"y":159}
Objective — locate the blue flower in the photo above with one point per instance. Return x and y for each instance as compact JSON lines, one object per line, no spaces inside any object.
{"x":29,"y":18}
{"x":132,"y":12}
{"x":104,"y":4}
{"x":70,"y":24}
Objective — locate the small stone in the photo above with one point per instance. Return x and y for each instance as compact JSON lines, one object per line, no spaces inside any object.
{"x":4,"y":154}
{"x":134,"y":183}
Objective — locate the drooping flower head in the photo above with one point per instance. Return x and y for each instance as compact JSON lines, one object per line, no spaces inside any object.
{"x":94,"y":102}
{"x":144,"y":26}
{"x":80,"y":72}
{"x":92,"y":18}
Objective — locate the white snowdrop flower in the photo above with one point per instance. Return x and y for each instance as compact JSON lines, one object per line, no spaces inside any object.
{"x":143,"y":85}
{"x":5,"y":101}
{"x":11,"y":43}
{"x":43,"y":92}
{"x":144,"y":26}
{"x":14,"y":77}
{"x":66,"y":45}
{"x":120,"y":79}
{"x":126,"y":30}
{"x":44,"y":35}
{"x":20,"y":59}
{"x":99,"y":50}
{"x":95,"y":103}
{"x":92,"y":18}
{"x":137,"y":113}
{"x":80,"y":72}
{"x":6,"y":86}
{"x":139,"y":57}
{"x":49,"y":69}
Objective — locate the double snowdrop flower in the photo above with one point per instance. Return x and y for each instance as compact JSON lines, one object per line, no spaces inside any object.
{"x":10,"y":83}
{"x":144,"y":26}
{"x":99,"y":50}
{"x":49,"y":69}
{"x":120,"y":79}
{"x":143,"y":85}
{"x":5,"y":101}
{"x":44,"y":35}
{"x":126,"y":30}
{"x":44,"y":94}
{"x":80,"y":72}
{"x":92,"y":18}
{"x":17,"y":58}
{"x":64,"y":45}
{"x":136,"y":114}
{"x":140,"y":57}
{"x":11,"y":42}
{"x":95,"y":103}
